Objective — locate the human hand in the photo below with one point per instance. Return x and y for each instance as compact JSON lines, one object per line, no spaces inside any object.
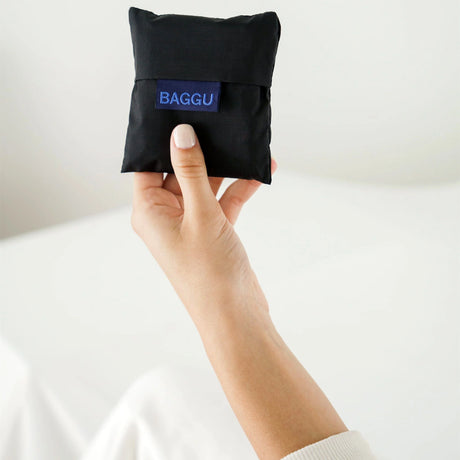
{"x":190,"y":233}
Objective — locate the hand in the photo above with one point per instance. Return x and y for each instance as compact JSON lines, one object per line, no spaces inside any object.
{"x":190,"y":233}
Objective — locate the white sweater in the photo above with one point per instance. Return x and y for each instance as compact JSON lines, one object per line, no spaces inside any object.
{"x":177,"y":413}
{"x":349,"y":445}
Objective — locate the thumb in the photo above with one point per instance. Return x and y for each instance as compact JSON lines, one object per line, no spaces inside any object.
{"x":190,"y":169}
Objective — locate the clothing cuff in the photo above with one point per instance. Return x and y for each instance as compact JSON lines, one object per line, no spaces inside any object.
{"x":349,"y":445}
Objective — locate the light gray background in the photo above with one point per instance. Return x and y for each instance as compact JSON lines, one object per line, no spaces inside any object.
{"x":363,"y":91}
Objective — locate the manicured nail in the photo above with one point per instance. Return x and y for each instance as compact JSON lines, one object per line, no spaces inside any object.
{"x":184,"y":136}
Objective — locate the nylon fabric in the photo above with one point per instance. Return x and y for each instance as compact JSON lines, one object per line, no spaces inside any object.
{"x":238,"y":52}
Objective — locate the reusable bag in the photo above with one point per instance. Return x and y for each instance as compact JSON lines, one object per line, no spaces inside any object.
{"x":214,"y":74}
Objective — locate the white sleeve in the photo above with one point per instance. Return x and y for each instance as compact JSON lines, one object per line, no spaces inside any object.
{"x":349,"y":445}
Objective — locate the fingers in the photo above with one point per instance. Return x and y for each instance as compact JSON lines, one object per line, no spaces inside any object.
{"x":170,"y":183}
{"x":190,"y":169}
{"x":144,"y":181}
{"x":215,"y":183}
{"x":238,"y":193}
{"x":273,"y":165}
{"x":235,"y":196}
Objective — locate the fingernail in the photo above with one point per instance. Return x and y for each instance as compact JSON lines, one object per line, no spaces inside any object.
{"x":184,"y":136}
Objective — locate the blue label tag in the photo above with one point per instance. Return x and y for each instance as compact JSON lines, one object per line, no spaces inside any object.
{"x":199,"y":96}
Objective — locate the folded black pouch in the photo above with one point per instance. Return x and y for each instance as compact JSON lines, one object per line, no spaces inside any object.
{"x":214,"y":74}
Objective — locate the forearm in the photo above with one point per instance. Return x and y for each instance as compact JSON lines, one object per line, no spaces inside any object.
{"x":277,"y":403}
{"x":192,"y":237}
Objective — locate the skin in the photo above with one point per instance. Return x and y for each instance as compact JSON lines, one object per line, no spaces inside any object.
{"x":191,"y":235}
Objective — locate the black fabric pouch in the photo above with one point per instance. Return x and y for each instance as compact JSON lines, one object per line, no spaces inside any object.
{"x":214,"y":74}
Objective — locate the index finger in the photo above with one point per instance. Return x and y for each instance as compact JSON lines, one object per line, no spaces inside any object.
{"x":145,"y":180}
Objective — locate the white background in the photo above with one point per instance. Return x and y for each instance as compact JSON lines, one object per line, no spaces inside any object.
{"x":362,"y":283}
{"x":362,"y":91}
{"x":361,"y":274}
